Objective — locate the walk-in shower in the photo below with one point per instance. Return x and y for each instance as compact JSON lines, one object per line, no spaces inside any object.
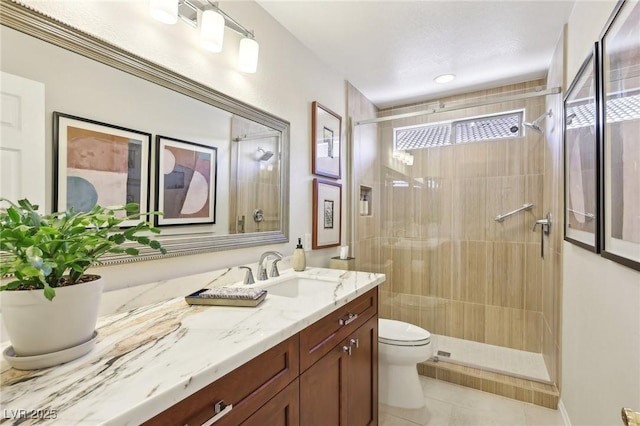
{"x":452,"y":232}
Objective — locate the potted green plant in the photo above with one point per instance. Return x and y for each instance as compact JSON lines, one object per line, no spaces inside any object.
{"x":49,"y":303}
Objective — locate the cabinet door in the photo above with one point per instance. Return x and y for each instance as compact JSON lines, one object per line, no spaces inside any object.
{"x":342,"y":387}
{"x":282,"y":410}
{"x":323,"y":390}
{"x":362,"y":379}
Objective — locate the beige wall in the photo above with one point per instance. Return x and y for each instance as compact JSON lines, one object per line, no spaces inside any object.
{"x":281,"y":86}
{"x":600,"y":298}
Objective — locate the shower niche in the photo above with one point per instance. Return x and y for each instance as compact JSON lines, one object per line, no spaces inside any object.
{"x":366,"y":198}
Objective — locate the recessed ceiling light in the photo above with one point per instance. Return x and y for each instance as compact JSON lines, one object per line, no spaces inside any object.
{"x":444,"y":78}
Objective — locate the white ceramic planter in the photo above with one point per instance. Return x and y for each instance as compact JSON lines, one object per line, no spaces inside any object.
{"x":38,"y":326}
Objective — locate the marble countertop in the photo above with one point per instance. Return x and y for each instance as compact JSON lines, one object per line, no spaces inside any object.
{"x":150,"y":356}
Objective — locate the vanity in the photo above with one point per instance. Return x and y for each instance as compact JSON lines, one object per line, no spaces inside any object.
{"x":306,"y":355}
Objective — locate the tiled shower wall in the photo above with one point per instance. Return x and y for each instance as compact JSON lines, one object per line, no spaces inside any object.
{"x":451,"y":268}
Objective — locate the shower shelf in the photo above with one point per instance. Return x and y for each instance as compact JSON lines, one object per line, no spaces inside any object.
{"x":366,"y":194}
{"x":502,"y":217}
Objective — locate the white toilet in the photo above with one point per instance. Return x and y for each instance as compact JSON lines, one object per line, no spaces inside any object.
{"x":400,"y":347}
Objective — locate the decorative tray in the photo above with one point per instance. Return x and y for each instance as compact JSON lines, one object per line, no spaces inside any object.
{"x":227,"y":296}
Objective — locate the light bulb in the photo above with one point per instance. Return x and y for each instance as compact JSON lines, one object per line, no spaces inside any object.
{"x":212,"y":30}
{"x":444,"y":78}
{"x":165,"y":11}
{"x":248,"y":55}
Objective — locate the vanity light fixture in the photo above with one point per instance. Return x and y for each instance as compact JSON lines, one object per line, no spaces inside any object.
{"x":212,"y":24}
{"x":165,"y":11}
{"x":408,"y":159}
{"x":444,"y":78}
{"x":403,"y":156}
{"x":212,"y":30}
{"x":248,"y":54}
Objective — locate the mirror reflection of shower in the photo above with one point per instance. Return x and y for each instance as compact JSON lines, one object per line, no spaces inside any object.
{"x":255,"y":159}
{"x":264,"y":155}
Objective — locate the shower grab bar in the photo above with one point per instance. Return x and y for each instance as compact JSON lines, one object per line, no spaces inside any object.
{"x":502,"y":217}
{"x":588,"y":216}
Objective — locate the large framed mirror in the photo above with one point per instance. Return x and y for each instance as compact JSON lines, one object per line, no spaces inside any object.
{"x":88,"y":77}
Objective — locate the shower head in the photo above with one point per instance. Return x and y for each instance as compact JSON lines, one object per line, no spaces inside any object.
{"x":265,"y":156}
{"x":535,"y":124}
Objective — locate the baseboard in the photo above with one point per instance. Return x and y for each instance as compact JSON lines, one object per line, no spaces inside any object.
{"x":565,"y":415}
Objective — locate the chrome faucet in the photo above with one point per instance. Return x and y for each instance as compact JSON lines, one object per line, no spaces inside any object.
{"x":262,"y":271}
{"x":248,"y":277}
{"x":545,"y":224}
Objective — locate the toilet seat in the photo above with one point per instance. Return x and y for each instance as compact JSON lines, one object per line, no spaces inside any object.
{"x":398,"y":333}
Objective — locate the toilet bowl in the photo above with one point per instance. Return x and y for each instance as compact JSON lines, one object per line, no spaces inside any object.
{"x":400,"y":347}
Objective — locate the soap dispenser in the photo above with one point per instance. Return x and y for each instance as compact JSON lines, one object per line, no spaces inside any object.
{"x":299,"y":259}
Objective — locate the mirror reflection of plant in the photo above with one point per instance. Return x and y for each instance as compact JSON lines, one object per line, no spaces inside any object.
{"x":44,"y":251}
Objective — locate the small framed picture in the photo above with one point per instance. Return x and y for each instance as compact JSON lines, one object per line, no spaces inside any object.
{"x":327,"y":213}
{"x":186,"y":189}
{"x":581,"y":159}
{"x":325,"y":141}
{"x":99,"y":164}
{"x":620,"y":97}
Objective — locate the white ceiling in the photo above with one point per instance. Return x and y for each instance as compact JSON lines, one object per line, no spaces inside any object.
{"x":392,"y":50}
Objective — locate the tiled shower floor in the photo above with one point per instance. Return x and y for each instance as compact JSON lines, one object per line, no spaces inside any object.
{"x":493,"y":358}
{"x":447,"y":404}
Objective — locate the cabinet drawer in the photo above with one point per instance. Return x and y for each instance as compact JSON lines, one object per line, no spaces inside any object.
{"x":319,"y":338}
{"x":248,"y":387}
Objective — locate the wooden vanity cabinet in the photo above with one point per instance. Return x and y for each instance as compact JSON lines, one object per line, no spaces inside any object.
{"x":325,"y":375}
{"x":247,"y":388}
{"x":341,"y":387}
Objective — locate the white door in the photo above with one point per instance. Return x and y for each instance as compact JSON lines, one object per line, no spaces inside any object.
{"x":22,"y":142}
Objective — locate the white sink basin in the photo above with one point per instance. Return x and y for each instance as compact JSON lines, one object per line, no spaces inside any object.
{"x":296,"y":287}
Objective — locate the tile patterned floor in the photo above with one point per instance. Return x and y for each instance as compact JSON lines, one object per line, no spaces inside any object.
{"x":448,"y":404}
